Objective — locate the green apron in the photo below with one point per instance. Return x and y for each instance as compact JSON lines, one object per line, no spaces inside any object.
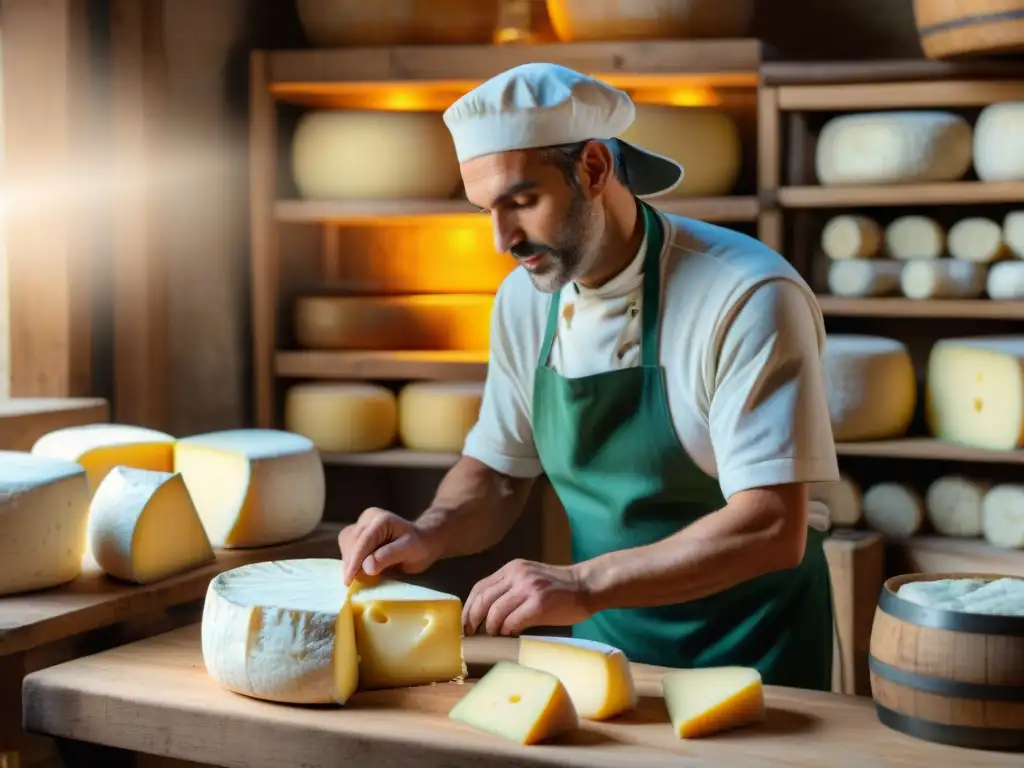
{"x":609,"y":448}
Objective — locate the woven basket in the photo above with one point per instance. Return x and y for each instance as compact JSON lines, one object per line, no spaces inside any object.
{"x":951,"y":29}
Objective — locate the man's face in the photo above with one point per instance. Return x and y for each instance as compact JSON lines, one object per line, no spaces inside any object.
{"x":548,"y":225}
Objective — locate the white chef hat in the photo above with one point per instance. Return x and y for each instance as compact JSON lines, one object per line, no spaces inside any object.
{"x":542,"y":105}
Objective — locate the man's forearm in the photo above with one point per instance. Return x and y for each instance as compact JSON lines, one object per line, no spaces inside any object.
{"x":474,"y":508}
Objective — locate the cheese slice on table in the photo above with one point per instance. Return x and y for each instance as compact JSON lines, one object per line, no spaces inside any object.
{"x":597,"y":676}
{"x":282,"y":631}
{"x":518,"y":703}
{"x":101,"y":447}
{"x":143,"y":526}
{"x":253,"y":487}
{"x":702,"y":702}
{"x":44,"y":511}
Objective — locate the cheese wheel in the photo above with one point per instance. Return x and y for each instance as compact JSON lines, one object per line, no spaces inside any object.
{"x":999,"y":142}
{"x":332,"y":23}
{"x":842,"y":499}
{"x":706,"y":142}
{"x":912,"y":237}
{"x":705,"y":701}
{"x":895,"y":510}
{"x":850,"y":236}
{"x":437,"y":415}
{"x":1013,"y":233}
{"x":977,"y":239}
{"x":253,"y":487}
{"x":998,"y":597}
{"x":943,"y":279}
{"x":1005,"y":281}
{"x":374,"y":155}
{"x":1002,"y":516}
{"x":44,"y":512}
{"x":871,"y":387}
{"x":342,"y":417}
{"x":436,"y":322}
{"x":601,"y":20}
{"x":863,"y":278}
{"x":893,"y":148}
{"x":953,"y":504}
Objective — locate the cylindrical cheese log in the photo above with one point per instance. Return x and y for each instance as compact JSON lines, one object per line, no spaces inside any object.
{"x":331,"y":23}
{"x":870,"y":385}
{"x":977,"y":239}
{"x":895,"y":510}
{"x":437,"y":415}
{"x":999,"y":142}
{"x":849,"y":236}
{"x":843,"y":500}
{"x":943,"y":279}
{"x":893,"y":148}
{"x":861,"y":278}
{"x":1006,"y":281}
{"x":1013,"y":233}
{"x":600,"y":20}
{"x":909,"y":238}
{"x":1002,"y":516}
{"x":954,"y":505}
{"x":342,"y":417}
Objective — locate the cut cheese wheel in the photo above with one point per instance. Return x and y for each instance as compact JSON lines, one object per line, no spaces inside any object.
{"x":101,"y":447}
{"x":342,"y":417}
{"x":953,"y":505}
{"x":893,"y":148}
{"x":895,"y":510}
{"x":974,"y":391}
{"x":871,"y":387}
{"x":371,"y":155}
{"x":849,"y":236}
{"x":437,"y":415}
{"x":408,"y":22}
{"x":143,"y":526}
{"x":282,"y":631}
{"x":703,"y":702}
{"x":943,"y":279}
{"x":910,"y":238}
{"x":999,"y":142}
{"x":518,"y":703}
{"x":1005,"y":281}
{"x":44,"y":512}
{"x":600,"y":20}
{"x":596,"y":675}
{"x":394,"y":322}
{"x":1002,"y":516}
{"x":977,"y":239}
{"x":253,"y":487}
{"x":843,"y":500}
{"x":1013,"y":233}
{"x":862,"y":278}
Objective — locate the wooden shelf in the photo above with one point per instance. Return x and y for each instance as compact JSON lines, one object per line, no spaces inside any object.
{"x":928,"y":449}
{"x":945,"y":554}
{"x":981,"y":309}
{"x":399,"y":365}
{"x":779,"y":73}
{"x":951,"y":193}
{"x":394,"y":457}
{"x":943,"y":94}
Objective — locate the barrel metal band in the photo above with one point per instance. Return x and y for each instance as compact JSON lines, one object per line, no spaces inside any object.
{"x":954,"y":621}
{"x":1003,"y":739}
{"x":944,"y":687}
{"x":970,"y":21}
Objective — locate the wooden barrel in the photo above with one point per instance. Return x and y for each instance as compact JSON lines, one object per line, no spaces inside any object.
{"x":946,"y":676}
{"x":951,"y":29}
{"x":577,"y":21}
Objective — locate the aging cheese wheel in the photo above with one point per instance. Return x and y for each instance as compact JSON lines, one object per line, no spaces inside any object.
{"x":843,"y":500}
{"x":1013,"y":233}
{"x":342,"y":417}
{"x":594,"y":20}
{"x":850,"y":236}
{"x":437,"y":415}
{"x":1005,"y":281}
{"x":894,"y":509}
{"x":1002,"y":517}
{"x":953,"y":505}
{"x":943,"y":279}
{"x":977,"y":239}
{"x":437,"y":322}
{"x":999,"y":142}
{"x":378,"y":155}
{"x":861,"y":278}
{"x":330,"y":23}
{"x":914,"y":237}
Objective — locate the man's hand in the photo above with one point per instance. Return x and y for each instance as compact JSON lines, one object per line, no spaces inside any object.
{"x":380,"y":539}
{"x":525,"y":594}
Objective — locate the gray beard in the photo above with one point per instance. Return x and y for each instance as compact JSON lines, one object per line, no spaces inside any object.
{"x":573,"y":249}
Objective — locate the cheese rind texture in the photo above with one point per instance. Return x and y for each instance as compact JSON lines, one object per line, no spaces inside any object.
{"x":977,"y":239}
{"x":143,"y":526}
{"x":253,"y":487}
{"x":518,"y":703}
{"x":953,"y":504}
{"x":998,"y":597}
{"x":1002,"y":516}
{"x":44,"y":511}
{"x":861,"y":278}
{"x":914,"y":237}
{"x":342,"y":417}
{"x":436,"y":416}
{"x":703,"y":702}
{"x":850,"y":236}
{"x":999,"y":142}
{"x":895,"y":510}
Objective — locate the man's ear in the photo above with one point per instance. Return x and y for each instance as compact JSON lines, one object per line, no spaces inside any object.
{"x":597,"y":167}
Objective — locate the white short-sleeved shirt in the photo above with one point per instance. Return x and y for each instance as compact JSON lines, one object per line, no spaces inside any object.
{"x":740,"y":341}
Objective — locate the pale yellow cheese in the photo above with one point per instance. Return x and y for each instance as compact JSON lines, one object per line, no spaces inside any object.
{"x":518,"y":703}
{"x":596,"y":675}
{"x":851,"y":236}
{"x":342,"y":417}
{"x":702,"y":702}
{"x":143,"y":526}
{"x":437,"y":415}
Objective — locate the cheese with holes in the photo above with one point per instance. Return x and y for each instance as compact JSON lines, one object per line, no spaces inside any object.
{"x":373,"y":155}
{"x":999,"y":597}
{"x":850,"y":236}
{"x":863,"y":278}
{"x":870,"y":385}
{"x":1002,"y":516}
{"x":342,"y":417}
{"x":893,"y":148}
{"x":1013,"y":233}
{"x":282,"y":631}
{"x":44,"y":512}
{"x":596,"y":675}
{"x":978,"y":239}
{"x":943,"y":279}
{"x":974,"y":391}
{"x":953,"y":504}
{"x":1005,"y":281}
{"x":143,"y":526}
{"x":517,"y":703}
{"x":893,"y":509}
{"x":999,"y":142}
{"x":101,"y":447}
{"x":437,"y":415}
{"x":407,"y":635}
{"x":703,"y":702}
{"x":914,"y":237}
{"x":439,"y":322}
{"x":842,"y":499}
{"x":253,"y":487}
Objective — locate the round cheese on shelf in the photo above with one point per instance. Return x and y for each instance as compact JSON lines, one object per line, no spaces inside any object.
{"x":843,"y":500}
{"x":977,"y":239}
{"x":909,"y":238}
{"x":849,"y":236}
{"x":1005,"y":281}
{"x":893,"y":148}
{"x":1002,"y":516}
{"x":437,"y":415}
{"x":863,"y":278}
{"x":953,"y":505}
{"x":1013,"y":233}
{"x":601,"y":20}
{"x":870,"y":385}
{"x":943,"y":279}
{"x":342,"y":417}
{"x":895,"y":510}
{"x":378,"y":155}
{"x":999,"y":142}
{"x":44,"y":512}
{"x":999,"y":597}
{"x":331,"y":23}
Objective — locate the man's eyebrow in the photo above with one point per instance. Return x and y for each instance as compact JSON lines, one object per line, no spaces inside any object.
{"x":515,"y":189}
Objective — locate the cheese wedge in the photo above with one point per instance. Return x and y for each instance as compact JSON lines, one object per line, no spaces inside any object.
{"x":518,"y":703}
{"x":702,"y":702}
{"x":596,"y":675}
{"x":143,"y":526}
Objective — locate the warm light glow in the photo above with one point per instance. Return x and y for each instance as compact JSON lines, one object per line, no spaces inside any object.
{"x":678,"y":97}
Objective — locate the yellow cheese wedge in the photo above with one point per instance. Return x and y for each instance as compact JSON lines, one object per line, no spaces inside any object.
{"x":702,"y":702}
{"x":597,"y":675}
{"x":518,"y":703}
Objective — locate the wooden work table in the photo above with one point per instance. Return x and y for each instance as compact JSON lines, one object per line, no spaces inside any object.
{"x":155,"y":697}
